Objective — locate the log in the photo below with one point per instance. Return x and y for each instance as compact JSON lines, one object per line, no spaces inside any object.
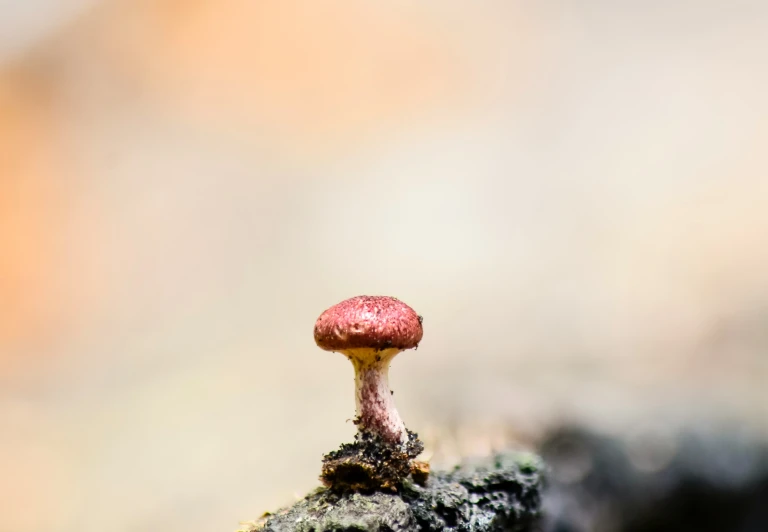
{"x":501,"y":492}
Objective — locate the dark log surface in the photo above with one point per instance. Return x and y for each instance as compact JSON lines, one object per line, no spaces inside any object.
{"x":502,"y":492}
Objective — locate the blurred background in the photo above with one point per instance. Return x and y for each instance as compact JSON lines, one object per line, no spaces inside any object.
{"x":573,"y":195}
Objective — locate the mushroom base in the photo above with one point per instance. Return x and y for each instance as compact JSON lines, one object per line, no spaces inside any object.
{"x":371,"y":463}
{"x":376,"y":410}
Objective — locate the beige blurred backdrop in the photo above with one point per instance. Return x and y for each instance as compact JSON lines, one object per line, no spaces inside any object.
{"x":573,"y":194}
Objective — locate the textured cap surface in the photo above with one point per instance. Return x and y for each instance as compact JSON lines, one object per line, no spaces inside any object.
{"x":378,"y":322}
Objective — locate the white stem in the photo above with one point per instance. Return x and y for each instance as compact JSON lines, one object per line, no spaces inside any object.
{"x":373,"y":398}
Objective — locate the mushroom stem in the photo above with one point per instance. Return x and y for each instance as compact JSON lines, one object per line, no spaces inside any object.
{"x":376,"y":410}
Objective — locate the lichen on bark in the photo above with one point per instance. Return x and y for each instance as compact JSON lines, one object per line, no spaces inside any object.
{"x":499,"y":493}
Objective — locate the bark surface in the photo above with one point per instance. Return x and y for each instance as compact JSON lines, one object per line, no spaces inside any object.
{"x":502,"y":492}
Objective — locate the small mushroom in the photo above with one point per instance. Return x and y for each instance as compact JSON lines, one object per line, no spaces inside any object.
{"x":371,"y":331}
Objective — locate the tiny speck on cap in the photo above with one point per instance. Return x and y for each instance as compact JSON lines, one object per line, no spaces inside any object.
{"x":377,"y":322}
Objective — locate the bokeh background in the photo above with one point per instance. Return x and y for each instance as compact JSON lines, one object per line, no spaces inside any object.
{"x":574,"y":195}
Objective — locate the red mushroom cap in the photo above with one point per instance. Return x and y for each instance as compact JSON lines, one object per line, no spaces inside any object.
{"x":377,"y":322}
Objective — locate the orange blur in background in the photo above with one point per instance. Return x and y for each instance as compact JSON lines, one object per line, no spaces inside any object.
{"x":573,"y":196}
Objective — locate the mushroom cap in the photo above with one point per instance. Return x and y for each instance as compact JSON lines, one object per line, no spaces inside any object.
{"x":376,"y":322}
